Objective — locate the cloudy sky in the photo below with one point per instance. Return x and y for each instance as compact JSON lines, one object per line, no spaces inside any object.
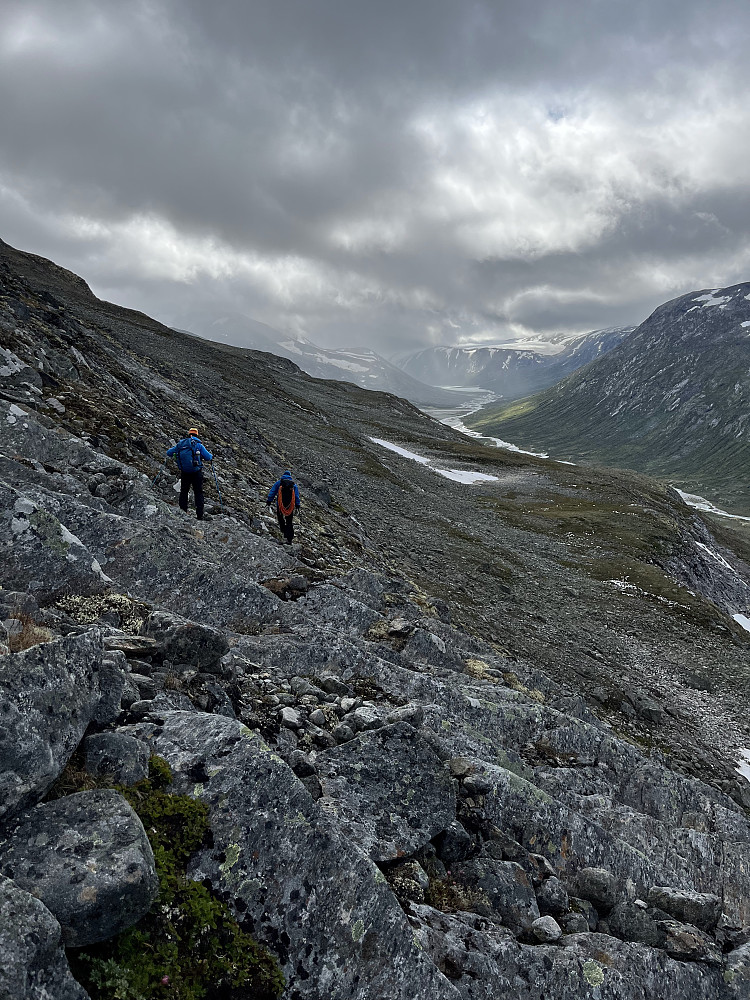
{"x":390,"y":174}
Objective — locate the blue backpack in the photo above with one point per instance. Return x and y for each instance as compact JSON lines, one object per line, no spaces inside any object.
{"x":187,"y":456}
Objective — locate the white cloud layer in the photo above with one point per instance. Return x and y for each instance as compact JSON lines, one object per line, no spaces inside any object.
{"x":390,"y":175}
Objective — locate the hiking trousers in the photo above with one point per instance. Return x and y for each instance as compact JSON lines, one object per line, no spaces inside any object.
{"x":286,"y":524}
{"x":193,"y":478}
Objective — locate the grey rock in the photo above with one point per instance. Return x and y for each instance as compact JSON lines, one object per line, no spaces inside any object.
{"x":631,"y":922}
{"x":296,"y":875}
{"x":552,"y":897}
{"x":387,"y":790}
{"x":182,"y":641}
{"x":575,"y":923}
{"x":737,"y":973}
{"x":290,"y":718}
{"x":333,"y":685}
{"x":87,"y":857}
{"x":317,"y":718}
{"x":546,"y":929}
{"x":454,"y":844}
{"x":689,"y":944}
{"x":702,"y":909}
{"x":586,"y":909}
{"x":342,"y":733}
{"x":112,"y":680}
{"x":130,"y":693}
{"x":32,"y":959}
{"x":365,"y":717}
{"x":146,"y":686}
{"x":141,"y":708}
{"x":48,"y":696}
{"x":413,"y":714}
{"x":117,"y":755}
{"x":301,"y":764}
{"x":598,"y":886}
{"x":506,"y":886}
{"x":476,"y":784}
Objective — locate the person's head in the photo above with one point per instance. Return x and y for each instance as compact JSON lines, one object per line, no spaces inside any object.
{"x":193,"y":432}
{"x":287,"y":474}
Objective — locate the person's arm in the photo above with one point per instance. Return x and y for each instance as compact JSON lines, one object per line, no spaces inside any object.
{"x":205,"y":453}
{"x":273,"y":491}
{"x":171,"y":451}
{"x":296,"y":498}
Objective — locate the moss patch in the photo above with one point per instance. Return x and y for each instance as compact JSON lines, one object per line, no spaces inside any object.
{"x":188,"y":946}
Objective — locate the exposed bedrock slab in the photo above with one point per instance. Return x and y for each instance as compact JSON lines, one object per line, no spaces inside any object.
{"x":39,"y":551}
{"x":387,"y":790}
{"x":486,"y":962}
{"x":306,"y":890}
{"x":87,"y":857}
{"x":505,"y":886}
{"x":48,"y":696}
{"x":32,"y":960}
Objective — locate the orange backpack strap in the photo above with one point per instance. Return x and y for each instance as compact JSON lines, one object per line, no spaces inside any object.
{"x":286,"y":509}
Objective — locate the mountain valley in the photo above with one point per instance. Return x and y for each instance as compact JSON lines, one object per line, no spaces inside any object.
{"x":460,"y":740}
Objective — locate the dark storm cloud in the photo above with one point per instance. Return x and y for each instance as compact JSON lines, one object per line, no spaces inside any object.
{"x":384,"y":174}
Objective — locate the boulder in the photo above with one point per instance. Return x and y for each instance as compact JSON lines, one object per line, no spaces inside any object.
{"x":32,"y":960}
{"x":631,"y":922}
{"x":546,"y":930}
{"x":454,"y":844}
{"x":387,"y":790}
{"x":598,"y":886}
{"x":87,"y":857}
{"x":112,"y":681}
{"x":506,"y":887}
{"x":48,"y":696}
{"x":702,"y":909}
{"x":304,"y":887}
{"x":552,"y":897}
{"x":184,"y":642}
{"x":121,"y":757}
{"x":688,"y":943}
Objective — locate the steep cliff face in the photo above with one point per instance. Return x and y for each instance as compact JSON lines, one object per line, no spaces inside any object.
{"x":671,"y":400}
{"x":458,"y":740}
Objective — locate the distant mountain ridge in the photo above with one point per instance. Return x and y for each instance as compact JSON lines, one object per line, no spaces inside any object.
{"x":673,"y":400}
{"x":364,"y":368}
{"x":511,"y":372}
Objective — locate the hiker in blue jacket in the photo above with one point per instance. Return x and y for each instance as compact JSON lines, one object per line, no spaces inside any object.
{"x":189,"y":454}
{"x":285,"y":494}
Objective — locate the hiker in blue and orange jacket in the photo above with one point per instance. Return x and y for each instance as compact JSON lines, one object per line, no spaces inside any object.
{"x":285,"y":494}
{"x":189,"y":454}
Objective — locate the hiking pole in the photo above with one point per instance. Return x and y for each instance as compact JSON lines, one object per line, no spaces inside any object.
{"x":211,"y":463}
{"x":162,"y":468}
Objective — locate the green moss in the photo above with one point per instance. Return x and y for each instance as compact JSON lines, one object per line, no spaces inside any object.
{"x":188,"y":946}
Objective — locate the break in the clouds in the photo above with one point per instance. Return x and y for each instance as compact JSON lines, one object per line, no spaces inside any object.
{"x":393,"y":174}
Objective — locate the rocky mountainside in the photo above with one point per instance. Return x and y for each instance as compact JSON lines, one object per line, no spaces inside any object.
{"x":364,"y":368}
{"x":672,"y":400}
{"x":510,"y":372}
{"x":458,"y":741}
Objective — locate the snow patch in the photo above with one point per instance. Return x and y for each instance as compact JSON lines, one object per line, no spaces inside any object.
{"x":743,"y":621}
{"x":709,"y":300}
{"x":700,"y":503}
{"x":743,"y":765}
{"x":466,"y":476}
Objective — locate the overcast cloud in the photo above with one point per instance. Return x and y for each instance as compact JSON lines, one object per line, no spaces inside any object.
{"x":383,"y":174}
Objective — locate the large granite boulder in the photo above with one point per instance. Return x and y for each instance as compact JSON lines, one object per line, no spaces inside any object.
{"x":32,"y":960}
{"x":48,"y":696}
{"x":187,"y":643}
{"x":388,"y":791}
{"x":310,"y":894}
{"x":87,"y":857}
{"x":702,"y":909}
{"x":504,"y":885}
